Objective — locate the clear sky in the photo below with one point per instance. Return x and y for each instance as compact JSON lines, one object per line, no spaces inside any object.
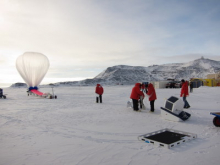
{"x":81,"y":38}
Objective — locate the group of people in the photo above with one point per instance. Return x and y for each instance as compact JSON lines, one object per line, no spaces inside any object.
{"x":137,"y":94}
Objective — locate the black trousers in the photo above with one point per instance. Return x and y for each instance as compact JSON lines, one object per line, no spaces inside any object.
{"x":99,"y":99}
{"x":152,"y":105}
{"x":135,"y":104}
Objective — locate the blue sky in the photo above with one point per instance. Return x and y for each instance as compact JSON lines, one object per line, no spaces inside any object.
{"x":81,"y":38}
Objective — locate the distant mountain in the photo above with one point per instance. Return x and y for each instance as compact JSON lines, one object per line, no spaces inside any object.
{"x":19,"y":85}
{"x":123,"y":74}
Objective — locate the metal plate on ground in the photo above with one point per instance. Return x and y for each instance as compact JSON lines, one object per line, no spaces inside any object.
{"x":167,"y":137}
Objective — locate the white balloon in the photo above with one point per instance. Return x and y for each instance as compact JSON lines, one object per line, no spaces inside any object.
{"x":32,"y":67}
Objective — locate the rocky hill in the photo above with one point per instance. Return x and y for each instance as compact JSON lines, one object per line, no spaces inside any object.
{"x":123,"y":74}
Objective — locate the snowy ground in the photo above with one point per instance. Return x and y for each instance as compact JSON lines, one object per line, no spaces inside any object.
{"x":74,"y":130}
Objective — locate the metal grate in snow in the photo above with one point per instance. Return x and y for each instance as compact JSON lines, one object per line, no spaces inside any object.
{"x":167,"y":137}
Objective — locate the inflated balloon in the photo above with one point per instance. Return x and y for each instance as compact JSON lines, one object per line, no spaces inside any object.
{"x":32,"y":67}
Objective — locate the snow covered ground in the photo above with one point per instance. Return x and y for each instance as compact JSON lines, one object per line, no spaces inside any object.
{"x":74,"y":130}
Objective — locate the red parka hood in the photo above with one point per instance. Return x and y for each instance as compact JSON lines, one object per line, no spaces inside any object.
{"x":136,"y":93}
{"x":184,"y":90}
{"x":138,"y":85}
{"x":99,"y":89}
{"x":151,"y":92}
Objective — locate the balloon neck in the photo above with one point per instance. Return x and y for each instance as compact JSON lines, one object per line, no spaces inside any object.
{"x":31,"y":88}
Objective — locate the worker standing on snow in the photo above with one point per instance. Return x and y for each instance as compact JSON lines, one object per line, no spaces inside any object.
{"x":184,"y":93}
{"x":99,"y":91}
{"x":150,"y":91}
{"x":136,"y":93}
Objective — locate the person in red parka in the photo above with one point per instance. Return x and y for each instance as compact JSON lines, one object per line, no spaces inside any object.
{"x":150,"y":91}
{"x":135,"y":95}
{"x":99,"y":91}
{"x":184,"y":93}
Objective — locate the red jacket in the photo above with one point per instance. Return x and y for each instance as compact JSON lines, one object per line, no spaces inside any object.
{"x":151,"y":92}
{"x":136,"y":93}
{"x":184,"y":90}
{"x":99,"y":89}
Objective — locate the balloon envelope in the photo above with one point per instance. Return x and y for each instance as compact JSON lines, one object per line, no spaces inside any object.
{"x":32,"y":67}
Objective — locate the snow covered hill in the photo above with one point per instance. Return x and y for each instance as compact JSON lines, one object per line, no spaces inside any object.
{"x":123,"y":74}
